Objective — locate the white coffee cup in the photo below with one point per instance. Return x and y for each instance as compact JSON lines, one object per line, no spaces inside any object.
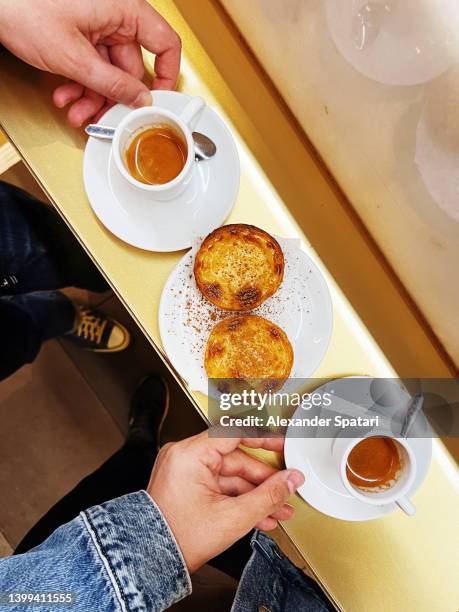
{"x":151,"y":116}
{"x":397,"y":493}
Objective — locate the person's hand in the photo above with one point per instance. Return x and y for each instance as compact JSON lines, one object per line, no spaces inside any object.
{"x":95,"y":44}
{"x":212,"y":493}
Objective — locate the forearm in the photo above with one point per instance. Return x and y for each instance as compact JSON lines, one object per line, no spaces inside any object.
{"x":117,"y":556}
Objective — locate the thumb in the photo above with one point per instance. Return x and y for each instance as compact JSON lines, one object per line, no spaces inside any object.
{"x":266,"y":499}
{"x":108,"y":80}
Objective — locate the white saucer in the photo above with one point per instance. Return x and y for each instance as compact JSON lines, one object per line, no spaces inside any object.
{"x":323,"y":488}
{"x":302,"y":307}
{"x":164,"y":226}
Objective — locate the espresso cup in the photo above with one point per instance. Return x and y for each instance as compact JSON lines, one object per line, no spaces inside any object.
{"x":397,"y":493}
{"x":153,"y":116}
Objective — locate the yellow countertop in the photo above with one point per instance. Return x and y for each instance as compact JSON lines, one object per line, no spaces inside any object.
{"x":396,"y":563}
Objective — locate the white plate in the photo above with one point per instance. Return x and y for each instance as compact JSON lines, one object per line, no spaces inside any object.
{"x":140,"y":220}
{"x":302,"y":307}
{"x":323,"y":488}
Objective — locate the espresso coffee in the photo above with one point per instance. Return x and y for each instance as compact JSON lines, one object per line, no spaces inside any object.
{"x":156,"y":155}
{"x":374,"y":464}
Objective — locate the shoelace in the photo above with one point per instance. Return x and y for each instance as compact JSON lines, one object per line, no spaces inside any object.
{"x":91,"y":327}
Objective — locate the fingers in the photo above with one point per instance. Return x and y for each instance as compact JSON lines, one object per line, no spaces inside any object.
{"x":104,"y":78}
{"x":98,"y":80}
{"x":267,"y":524}
{"x":213,"y":452}
{"x":167,"y":67}
{"x":268,"y":498}
{"x":272,"y":444}
{"x":85,"y":108}
{"x":205,"y":442}
{"x":217,"y":439}
{"x":235,"y":485}
{"x":86,"y":103}
{"x":128,"y":57}
{"x":283,"y":514}
{"x":69,"y":92}
{"x":156,"y":35}
{"x":241,"y":464}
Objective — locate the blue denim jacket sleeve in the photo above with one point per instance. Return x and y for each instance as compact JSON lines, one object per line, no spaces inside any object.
{"x":120,"y":556}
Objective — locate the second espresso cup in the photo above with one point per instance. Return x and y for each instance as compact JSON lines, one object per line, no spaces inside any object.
{"x":397,"y":492}
{"x":150,"y":117}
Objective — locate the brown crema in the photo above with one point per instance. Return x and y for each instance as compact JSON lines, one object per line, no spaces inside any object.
{"x":373,"y":462}
{"x":156,"y":155}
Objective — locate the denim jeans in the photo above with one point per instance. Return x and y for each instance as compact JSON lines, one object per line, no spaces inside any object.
{"x":38,"y":255}
{"x":271,"y":583}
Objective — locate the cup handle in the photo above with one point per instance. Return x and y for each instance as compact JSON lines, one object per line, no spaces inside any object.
{"x":404,"y":504}
{"x":192,"y":111}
